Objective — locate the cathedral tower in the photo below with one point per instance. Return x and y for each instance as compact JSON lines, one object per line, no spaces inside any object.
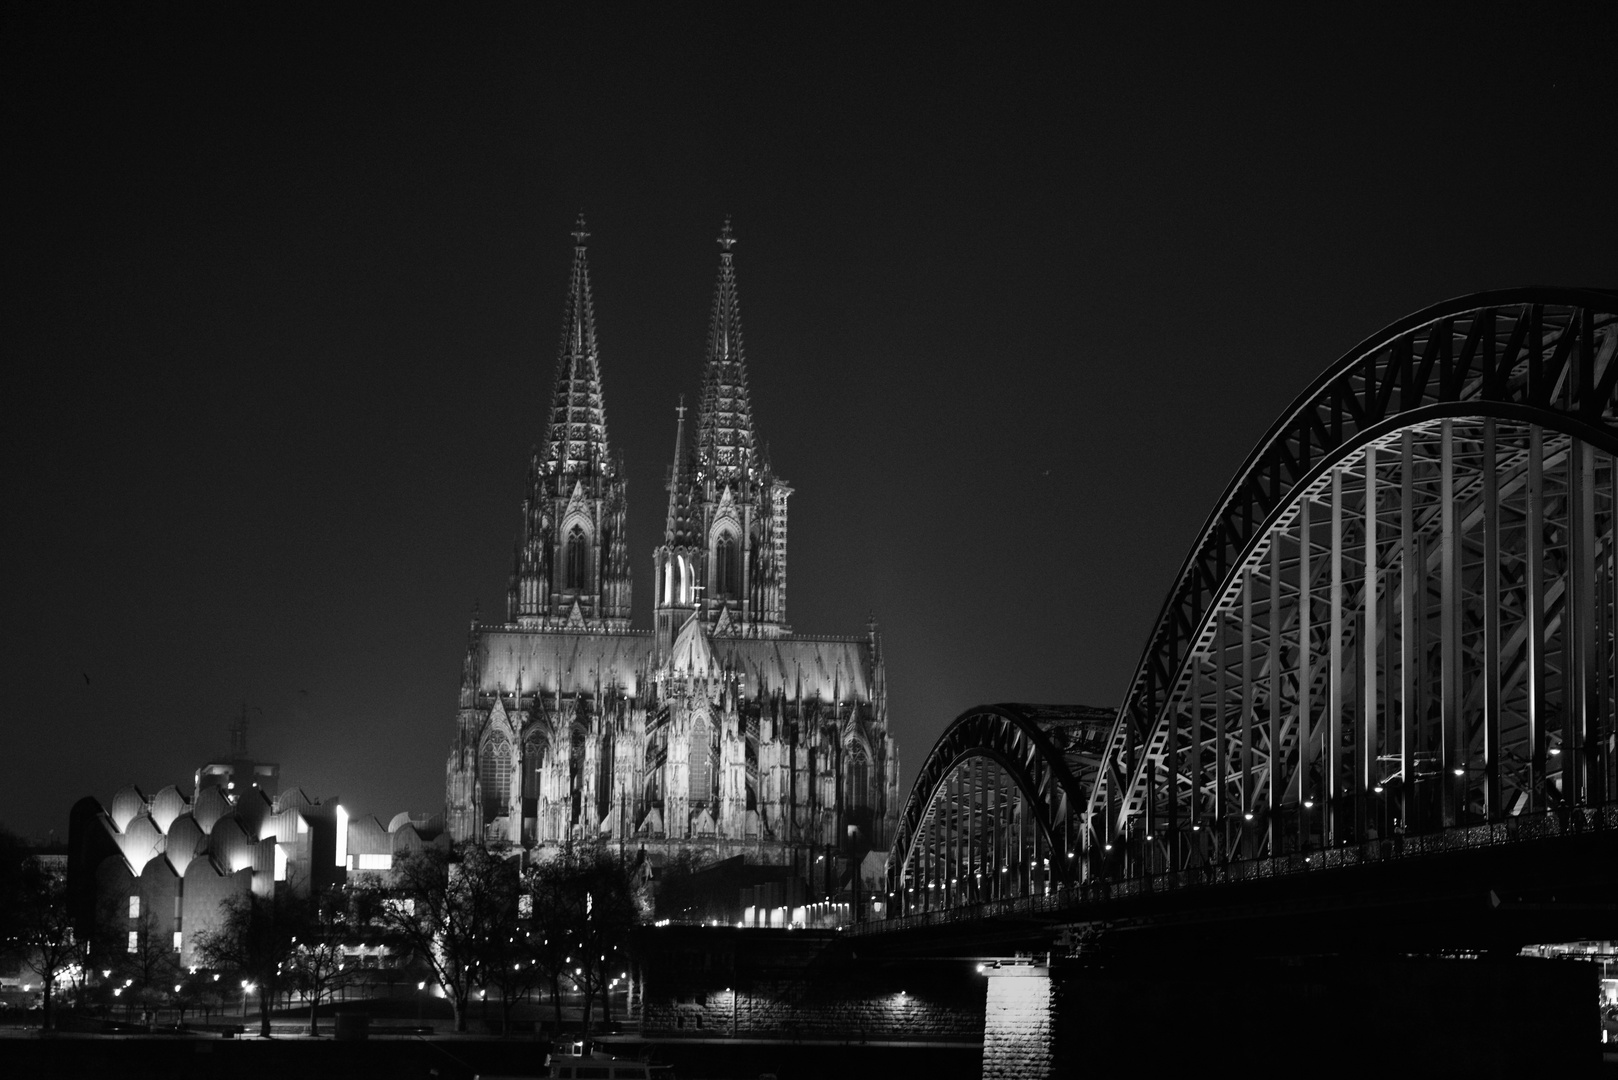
{"x":724,"y":549}
{"x":572,"y":566}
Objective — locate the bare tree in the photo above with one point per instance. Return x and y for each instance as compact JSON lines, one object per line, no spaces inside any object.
{"x":448,"y":908}
{"x":584,"y":907}
{"x":256,"y":940}
{"x":44,"y":939}
{"x":149,"y":963}
{"x":318,"y":965}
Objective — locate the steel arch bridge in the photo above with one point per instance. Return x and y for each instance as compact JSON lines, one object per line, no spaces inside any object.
{"x":1398,"y":624}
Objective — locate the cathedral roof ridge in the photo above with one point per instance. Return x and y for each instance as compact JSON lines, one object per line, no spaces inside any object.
{"x":576,"y":428}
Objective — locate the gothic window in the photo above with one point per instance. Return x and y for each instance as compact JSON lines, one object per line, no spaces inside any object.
{"x":857,"y":809}
{"x":755,"y":588}
{"x":577,"y":561}
{"x":605,"y":759}
{"x":534,"y":762}
{"x":856,"y":775}
{"x":727,"y":567}
{"x":495,"y":775}
{"x":700,"y":760}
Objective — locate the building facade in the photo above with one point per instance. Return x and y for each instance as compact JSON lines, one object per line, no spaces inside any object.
{"x":719,"y":730}
{"x":149,"y":874}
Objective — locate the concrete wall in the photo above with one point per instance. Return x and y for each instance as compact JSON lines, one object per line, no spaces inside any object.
{"x":713,"y":981}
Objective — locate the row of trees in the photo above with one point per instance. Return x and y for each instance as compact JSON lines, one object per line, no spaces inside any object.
{"x":480,"y":923}
{"x":473,"y":918}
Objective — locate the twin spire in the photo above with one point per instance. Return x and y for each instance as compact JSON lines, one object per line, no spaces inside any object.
{"x":726,"y":446}
{"x":576,"y":430}
{"x":575,"y":441}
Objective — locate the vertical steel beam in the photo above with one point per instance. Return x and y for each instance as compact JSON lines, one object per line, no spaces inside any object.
{"x":1370,"y":773}
{"x":1276,"y":778}
{"x":1410,"y":579}
{"x":1534,"y":576}
{"x":1495,"y":809}
{"x":1305,"y":703}
{"x":1198,"y":728}
{"x":1606,"y":611}
{"x":1247,"y":806}
{"x":1451,"y":725}
{"x":1221,"y":807}
{"x":1581,"y":605}
{"x":1334,"y":671}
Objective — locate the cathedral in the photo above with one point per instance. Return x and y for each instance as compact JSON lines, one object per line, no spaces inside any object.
{"x":721,"y":730}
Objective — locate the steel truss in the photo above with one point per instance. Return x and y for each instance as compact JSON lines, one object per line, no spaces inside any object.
{"x":994,"y":813}
{"x":1400,"y":619}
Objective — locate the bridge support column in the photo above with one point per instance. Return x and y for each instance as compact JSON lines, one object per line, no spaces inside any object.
{"x":1018,"y":1036}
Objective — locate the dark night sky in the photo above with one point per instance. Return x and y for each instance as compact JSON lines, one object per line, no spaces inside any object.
{"x":283,"y":291}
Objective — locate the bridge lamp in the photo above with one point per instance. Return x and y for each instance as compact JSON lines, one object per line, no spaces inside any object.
{"x":1377,"y":789}
{"x":1555,"y":751}
{"x":980,"y":969}
{"x":1108,"y":847}
{"x":1308,"y":804}
{"x":1248,"y":816}
{"x":1460,"y":772}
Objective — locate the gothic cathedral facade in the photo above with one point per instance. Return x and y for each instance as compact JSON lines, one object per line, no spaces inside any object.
{"x":719,"y":730}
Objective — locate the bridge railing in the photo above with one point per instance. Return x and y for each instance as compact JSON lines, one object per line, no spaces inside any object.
{"x":1522,"y":828}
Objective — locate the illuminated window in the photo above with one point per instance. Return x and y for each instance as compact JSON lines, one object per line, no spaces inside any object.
{"x":134,"y":907}
{"x":176,"y":941}
{"x":375,"y":862}
{"x":577,"y":560}
{"x":727,"y":567}
{"x":134,"y":941}
{"x":496,"y":776}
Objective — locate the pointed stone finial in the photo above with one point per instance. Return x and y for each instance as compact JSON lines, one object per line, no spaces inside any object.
{"x":580,"y":234}
{"x":726,"y":239}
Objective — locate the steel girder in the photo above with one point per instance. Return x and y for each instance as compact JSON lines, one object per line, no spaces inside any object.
{"x":1411,"y":577}
{"x":1001,"y":788}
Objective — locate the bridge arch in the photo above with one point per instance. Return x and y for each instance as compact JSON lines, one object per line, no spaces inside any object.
{"x":995,"y":809}
{"x":1401,"y":615}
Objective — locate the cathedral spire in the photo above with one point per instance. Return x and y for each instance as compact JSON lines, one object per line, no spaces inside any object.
{"x":572,"y":563}
{"x":576,"y":430}
{"x":725,"y":439}
{"x":679,"y":530}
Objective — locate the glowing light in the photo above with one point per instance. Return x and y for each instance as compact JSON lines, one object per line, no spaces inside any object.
{"x":342,"y":835}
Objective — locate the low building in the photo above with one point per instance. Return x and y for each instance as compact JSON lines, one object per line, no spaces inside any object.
{"x":153,"y":871}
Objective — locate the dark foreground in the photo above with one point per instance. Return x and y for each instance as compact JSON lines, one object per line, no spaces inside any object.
{"x":449,"y":1058}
